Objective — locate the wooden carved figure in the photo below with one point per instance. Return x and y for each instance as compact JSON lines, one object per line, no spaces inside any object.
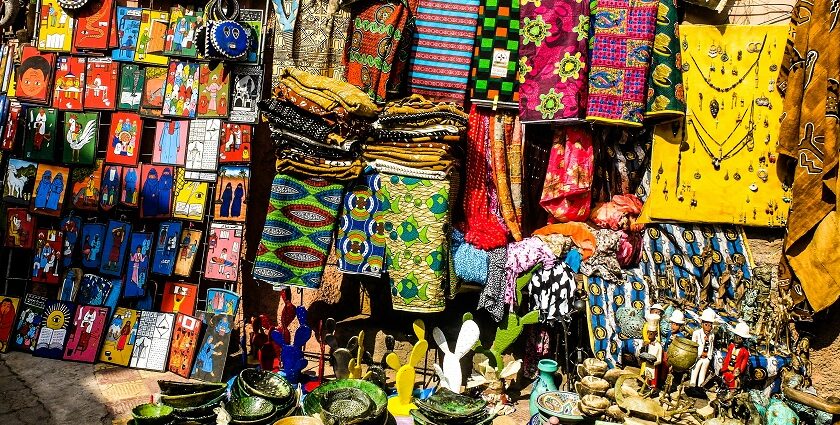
{"x":402,"y":404}
{"x":450,"y":374}
{"x":261,"y":344}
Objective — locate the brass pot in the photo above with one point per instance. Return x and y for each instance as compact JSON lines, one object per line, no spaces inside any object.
{"x":593,"y":405}
{"x":592,"y":367}
{"x":592,"y":385}
{"x":682,"y":354}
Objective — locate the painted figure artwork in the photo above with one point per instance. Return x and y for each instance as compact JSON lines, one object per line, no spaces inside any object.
{"x":147,"y":301}
{"x":98,"y":291}
{"x":130,"y":190}
{"x":8,"y":313}
{"x":223,"y":244}
{"x":222,"y":301}
{"x":94,"y":25}
{"x":55,"y":325}
{"x":40,"y":140}
{"x":20,"y":228}
{"x":231,"y":193}
{"x":181,"y":94}
{"x":86,"y":334}
{"x":114,"y":248}
{"x":20,"y":181}
{"x":124,"y":139}
{"x":214,"y":90}
{"x":187,"y":250}
{"x":101,"y":84}
{"x":87,"y":187}
{"x":128,"y":29}
{"x":179,"y":297}
{"x":119,"y":337}
{"x":139,"y":258}
{"x":69,"y":83}
{"x":10,"y":132}
{"x":111,"y":182}
{"x":70,"y":284}
{"x":184,"y":344}
{"x":47,"y":256}
{"x":150,"y":44}
{"x":71,"y":229}
{"x":203,"y":145}
{"x":48,"y":193}
{"x":156,"y":186}
{"x":235,"y":146}
{"x":81,"y":136}
{"x":28,"y":322}
{"x":93,"y":236}
{"x":246,"y":88}
{"x":252,"y":19}
{"x":212,"y":351}
{"x":190,"y":197}
{"x":166,"y":248}
{"x":55,"y":27}
{"x":34,"y":76}
{"x":184,"y":24}
{"x":131,"y":87}
{"x":154,"y":84}
{"x":151,"y":346}
{"x":170,"y":142}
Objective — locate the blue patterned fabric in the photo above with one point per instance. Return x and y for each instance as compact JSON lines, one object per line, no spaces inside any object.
{"x":361,"y":229}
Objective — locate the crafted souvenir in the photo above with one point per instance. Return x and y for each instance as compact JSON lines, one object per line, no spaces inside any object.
{"x":224,"y":242}
{"x":124,"y":139}
{"x":55,"y":27}
{"x":20,"y":180}
{"x":170,"y":142}
{"x":128,"y":29}
{"x":28,"y":323}
{"x":232,"y":189}
{"x":130,"y":189}
{"x":20,"y":228}
{"x":179,"y":297}
{"x":34,"y":76}
{"x":156,"y":186}
{"x":212,"y":352}
{"x":101,"y":84}
{"x":181,"y":94}
{"x":151,"y":345}
{"x":166,"y":248}
{"x":402,"y":404}
{"x":292,"y":351}
{"x":214,"y":88}
{"x":450,"y":374}
{"x":40,"y":140}
{"x":150,"y":44}
{"x":154,"y":85}
{"x":94,"y":25}
{"x":87,"y":187}
{"x":99,"y":291}
{"x":93,"y":236}
{"x":246,"y":90}
{"x":71,"y":229}
{"x":10,"y":130}
{"x":252,"y":20}
{"x":184,"y":23}
{"x":185,"y":339}
{"x":190,"y":197}
{"x":86,"y":334}
{"x":139,"y":258}
{"x":132,"y":79}
{"x":8,"y":313}
{"x":203,"y":145}
{"x":147,"y":301}
{"x":111,"y":182}
{"x":235,"y":147}
{"x":70,"y":284}
{"x":81,"y":137}
{"x":224,"y":37}
{"x":55,"y":325}
{"x":222,"y":301}
{"x":119,"y":338}
{"x":114,"y":248}
{"x":69,"y":83}
{"x":187,"y":250}
{"x":50,"y":187}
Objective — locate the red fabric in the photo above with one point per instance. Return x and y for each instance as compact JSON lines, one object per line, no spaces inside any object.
{"x":741,"y":363}
{"x":567,"y":191}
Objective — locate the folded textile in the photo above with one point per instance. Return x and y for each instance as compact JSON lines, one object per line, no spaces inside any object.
{"x":407,"y":171}
{"x":289,"y":117}
{"x":329,"y":93}
{"x":346,"y":124}
{"x":496,"y":53}
{"x":291,"y":145}
{"x":411,"y":159}
{"x":417,"y":111}
{"x":341,"y":170}
{"x":567,"y":191}
{"x":361,"y":229}
{"x":666,"y":98}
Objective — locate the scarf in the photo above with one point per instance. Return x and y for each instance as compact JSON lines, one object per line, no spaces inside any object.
{"x":666,"y":98}
{"x":492,"y":297}
{"x":502,"y":133}
{"x":513,"y":157}
{"x":328,"y":93}
{"x":361,"y":231}
{"x":285,"y":14}
{"x":567,"y":191}
{"x":494,"y":62}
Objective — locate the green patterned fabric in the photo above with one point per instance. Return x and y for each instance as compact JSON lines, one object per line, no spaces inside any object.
{"x":496,"y":52}
{"x":665,"y":89}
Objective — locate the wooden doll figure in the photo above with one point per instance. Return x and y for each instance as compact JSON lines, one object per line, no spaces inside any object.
{"x":656,"y":309}
{"x":737,"y":357}
{"x":705,"y":339}
{"x":651,"y":353}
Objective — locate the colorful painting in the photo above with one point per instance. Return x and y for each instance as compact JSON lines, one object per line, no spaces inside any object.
{"x":156,"y":186}
{"x":93,"y":236}
{"x":119,"y":338}
{"x":114,"y":248}
{"x":224,"y":242}
{"x":101,"y":84}
{"x":87,"y":187}
{"x":10,"y":131}
{"x":151,"y":346}
{"x":214,"y":89}
{"x":28,"y":322}
{"x":246,"y":91}
{"x":184,"y":24}
{"x":203,"y":145}
{"x":40,"y":140}
{"x":124,"y":144}
{"x":20,"y":181}
{"x":184,"y":344}
{"x":34,"y":76}
{"x":222,"y":301}
{"x":128,"y":29}
{"x":190,"y":197}
{"x":166,"y":248}
{"x":187,"y":250}
{"x":171,"y":142}
{"x":147,"y":301}
{"x":132,"y":79}
{"x":253,"y":19}
{"x":111,"y":182}
{"x":154,"y":84}
{"x":71,"y":229}
{"x":48,"y":193}
{"x":55,"y":28}
{"x":179,"y":297}
{"x":99,"y":291}
{"x":212,"y":352}
{"x":86,"y":334}
{"x":69,"y":83}
{"x":139,"y":257}
{"x":235,"y":146}
{"x":94,"y":25}
{"x":8,"y":313}
{"x":81,"y":136}
{"x":55,"y":326}
{"x":181,"y":93}
{"x":70,"y":284}
{"x":130,"y":191}
{"x":232,"y":192}
{"x":20,"y":228}
{"x":150,"y":44}
{"x":47,"y":256}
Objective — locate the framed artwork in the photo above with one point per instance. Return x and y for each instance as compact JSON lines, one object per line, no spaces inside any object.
{"x":235,"y":146}
{"x":212,"y":352}
{"x":214,"y":89}
{"x":98,"y":290}
{"x":184,"y":23}
{"x":203,"y":145}
{"x":147,"y":301}
{"x":47,"y":256}
{"x":71,"y":229}
{"x":246,"y":91}
{"x":190,"y":197}
{"x":20,"y":181}
{"x":131,"y":87}
{"x":28,"y":322}
{"x":181,"y":94}
{"x":171,"y":142}
{"x":93,"y":236}
{"x":10,"y":130}
{"x":139,"y":257}
{"x":184,"y":344}
{"x":87,"y":187}
{"x":69,"y":83}
{"x":55,"y":28}
{"x":231,"y":193}
{"x":8,"y":313}
{"x":114,"y":248}
{"x":224,"y":242}
{"x":150,"y":44}
{"x":154,"y":84}
{"x":179,"y":297}
{"x":101,"y":84}
{"x":94,"y":25}
{"x":156,"y":184}
{"x":253,"y":19}
{"x":7,"y":64}
{"x":187,"y":250}
{"x":222,"y":301}
{"x":5,"y":103}
{"x":151,"y":346}
{"x":119,"y":337}
{"x":34,"y":76}
{"x":130,"y":191}
{"x":86,"y":334}
{"x":40,"y":138}
{"x":81,"y":136}
{"x":48,"y":193}
{"x":111,"y":180}
{"x":70,"y":284}
{"x":128,"y":31}
{"x":166,"y":248}
{"x":203,"y":176}
{"x":124,"y":144}
{"x":55,"y":327}
{"x":20,"y":228}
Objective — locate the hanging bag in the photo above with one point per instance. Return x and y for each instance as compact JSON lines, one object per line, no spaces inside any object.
{"x":223,"y":37}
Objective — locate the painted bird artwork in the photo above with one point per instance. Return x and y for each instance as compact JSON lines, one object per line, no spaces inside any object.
{"x":78,"y":138}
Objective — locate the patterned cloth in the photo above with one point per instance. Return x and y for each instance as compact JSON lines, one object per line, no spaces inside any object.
{"x":361,"y":230}
{"x":567,"y":189}
{"x":553,"y":52}
{"x":492,"y":297}
{"x":623,"y":35}
{"x":502,"y":132}
{"x":552,"y":290}
{"x":298,"y":231}
{"x":442,"y":51}
{"x":495,"y":57}
{"x":665,"y":98}
{"x":282,"y":115}
{"x":522,"y":256}
{"x":319,"y":37}
{"x":327,"y":93}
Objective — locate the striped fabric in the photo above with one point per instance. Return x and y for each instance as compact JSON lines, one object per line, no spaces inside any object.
{"x":443,"y":49}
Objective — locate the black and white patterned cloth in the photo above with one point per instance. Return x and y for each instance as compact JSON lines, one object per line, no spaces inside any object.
{"x":492,"y":296}
{"x":552,"y":291}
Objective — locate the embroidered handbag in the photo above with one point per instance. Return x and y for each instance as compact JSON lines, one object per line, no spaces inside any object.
{"x":223,"y":38}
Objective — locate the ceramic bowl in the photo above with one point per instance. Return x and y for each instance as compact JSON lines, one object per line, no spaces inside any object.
{"x":265,"y":384}
{"x":250,"y":408}
{"x":152,"y":414}
{"x":447,"y":403}
{"x":184,"y":395}
{"x":423,"y":418}
{"x":299,"y":420}
{"x":345,"y":405}
{"x":562,"y":404}
{"x":313,"y":401}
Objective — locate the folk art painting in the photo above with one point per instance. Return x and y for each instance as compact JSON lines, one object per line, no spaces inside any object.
{"x":156,"y":186}
{"x":101,"y":84}
{"x":55,"y":29}
{"x":246,"y":87}
{"x":203,"y":145}
{"x":28,"y":323}
{"x":150,"y":42}
{"x":253,"y":19}
{"x":87,"y":187}
{"x":151,"y":345}
{"x":184,"y":24}
{"x":187,"y":250}
{"x":222,"y":301}
{"x":128,"y":29}
{"x":55,"y":326}
{"x":166,"y":248}
{"x":235,"y":146}
{"x":214,"y":88}
{"x":111,"y":182}
{"x":154,"y":84}
{"x":70,"y":284}
{"x":190,"y":197}
{"x":171,"y":142}
{"x":224,"y":242}
{"x":40,"y":138}
{"x":115,"y":248}
{"x":20,"y":181}
{"x":99,"y":291}
{"x":179,"y":297}
{"x":71,"y":228}
{"x":86,"y":333}
{"x":48,"y":193}
{"x":81,"y":136}
{"x":94,"y":25}
{"x":132,"y":78}
{"x":125,"y":135}
{"x":181,"y":94}
{"x":212,"y":351}
{"x":232,"y":189}
{"x":20,"y":228}
{"x":69,"y":83}
{"x":8,"y":313}
{"x":47,"y":257}
{"x":130,"y":188}
{"x":93,"y":237}
{"x":10,"y":132}
{"x":185,"y":340}
{"x":139,"y":258}
{"x":119,"y":338}
{"x":34,"y":76}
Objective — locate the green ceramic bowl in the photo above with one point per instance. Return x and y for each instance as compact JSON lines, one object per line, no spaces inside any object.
{"x":192,"y":411}
{"x":420,"y":418}
{"x":265,"y":384}
{"x":250,"y":408}
{"x":185,"y":395}
{"x":152,"y":414}
{"x":446,"y":403}
{"x":345,"y":405}
{"x":312,"y":402}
